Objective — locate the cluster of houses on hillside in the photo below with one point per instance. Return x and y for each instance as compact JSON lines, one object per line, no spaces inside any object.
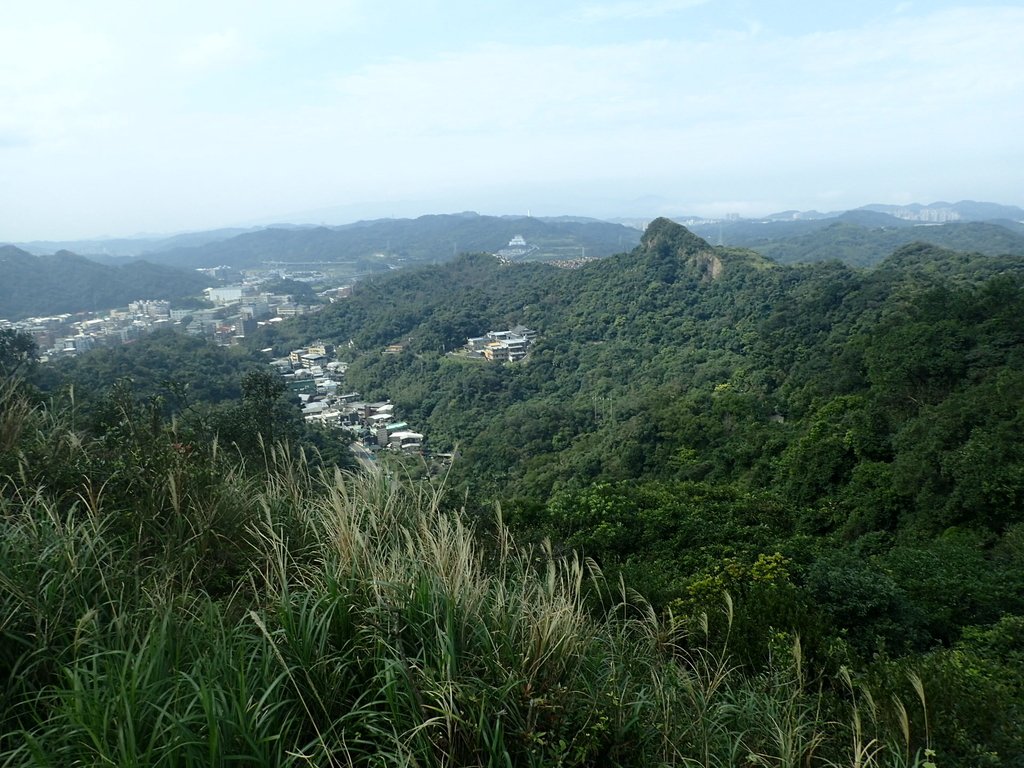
{"x":501,"y":346}
{"x":373,"y":425}
{"x":233,"y":313}
{"x":312,"y":370}
{"x":318,"y":380}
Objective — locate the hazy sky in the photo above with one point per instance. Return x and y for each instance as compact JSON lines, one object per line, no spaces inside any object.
{"x":124,"y":116}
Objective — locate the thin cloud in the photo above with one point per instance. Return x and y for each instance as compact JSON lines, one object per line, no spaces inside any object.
{"x":504,"y":89}
{"x":13,"y":140}
{"x":630,"y":10}
{"x":292,"y":118}
{"x":214,"y":50}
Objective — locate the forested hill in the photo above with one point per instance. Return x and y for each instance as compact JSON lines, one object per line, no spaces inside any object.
{"x":427,"y":239}
{"x":65,"y":282}
{"x":434,"y":309}
{"x":872,"y":410}
{"x":836,"y":449}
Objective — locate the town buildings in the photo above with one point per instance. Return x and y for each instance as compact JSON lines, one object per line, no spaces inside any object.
{"x":501,"y":346}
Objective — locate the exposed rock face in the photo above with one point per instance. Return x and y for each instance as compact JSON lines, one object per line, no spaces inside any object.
{"x":709,"y":264}
{"x":664,"y":239}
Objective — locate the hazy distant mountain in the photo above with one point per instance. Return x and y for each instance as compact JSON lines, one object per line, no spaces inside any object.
{"x":795,"y":215}
{"x":941,"y":212}
{"x":870,"y":219}
{"x":853,"y":243}
{"x":381,"y":243}
{"x":369,"y":245}
{"x":108,"y":250}
{"x":864,"y":236}
{"x":65,"y":282}
{"x":930,"y":213}
{"x":750,"y":233}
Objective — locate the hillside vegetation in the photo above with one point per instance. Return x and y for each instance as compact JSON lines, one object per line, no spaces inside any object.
{"x":692,"y":416}
{"x":781,"y":508}
{"x":164,"y":603}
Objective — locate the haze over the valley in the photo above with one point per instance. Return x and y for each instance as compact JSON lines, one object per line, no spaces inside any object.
{"x":121,"y":117}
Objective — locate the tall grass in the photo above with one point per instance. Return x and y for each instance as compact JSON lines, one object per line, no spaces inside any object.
{"x":213,"y":615}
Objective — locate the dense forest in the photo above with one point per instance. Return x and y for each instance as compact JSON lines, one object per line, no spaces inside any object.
{"x":807,"y":479}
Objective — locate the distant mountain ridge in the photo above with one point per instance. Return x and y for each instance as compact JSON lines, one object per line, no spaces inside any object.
{"x":930,"y":213}
{"x":129,"y":247}
{"x":864,"y":246}
{"x":66,"y":282}
{"x":374,"y":245}
{"x":941,"y":212}
{"x":864,"y":236}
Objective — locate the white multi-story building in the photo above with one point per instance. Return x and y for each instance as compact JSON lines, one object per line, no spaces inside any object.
{"x":228,"y":294}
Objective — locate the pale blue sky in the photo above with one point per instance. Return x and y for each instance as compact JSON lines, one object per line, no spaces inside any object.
{"x":121,"y":116}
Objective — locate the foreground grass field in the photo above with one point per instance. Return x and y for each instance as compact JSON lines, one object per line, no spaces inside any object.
{"x":161,"y":603}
